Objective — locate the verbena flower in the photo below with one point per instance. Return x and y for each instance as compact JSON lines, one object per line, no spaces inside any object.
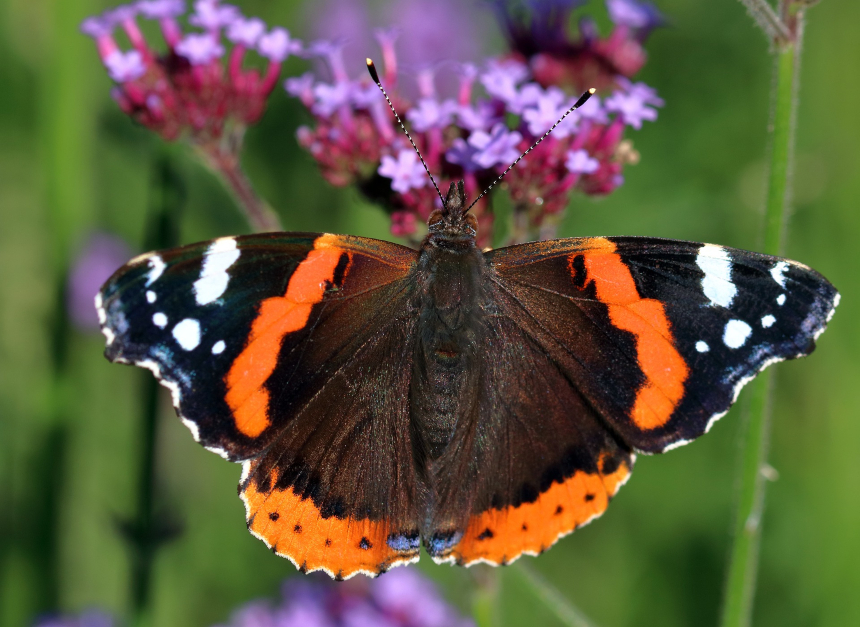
{"x":500,"y":108}
{"x":197,"y":83}
{"x":400,"y":598}
{"x":91,"y":618}
{"x":537,"y":30}
{"x":100,"y":256}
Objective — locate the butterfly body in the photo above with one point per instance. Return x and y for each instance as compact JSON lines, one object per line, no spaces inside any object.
{"x":481,"y":404}
{"x":451,"y":305}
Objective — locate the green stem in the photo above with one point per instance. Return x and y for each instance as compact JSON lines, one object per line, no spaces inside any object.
{"x":146,"y":542}
{"x":223,"y":159}
{"x":566,"y":612}
{"x":743,"y":563}
{"x":145,"y":533}
{"x":485,"y":603}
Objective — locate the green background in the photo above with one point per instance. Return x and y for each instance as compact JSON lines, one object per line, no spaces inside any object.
{"x":70,"y":162}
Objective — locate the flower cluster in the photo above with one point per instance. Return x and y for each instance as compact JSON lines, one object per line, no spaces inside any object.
{"x":197,"y":84}
{"x":90,"y":618}
{"x":100,"y":256}
{"x":401,"y":598}
{"x":578,"y":60}
{"x":500,"y":109}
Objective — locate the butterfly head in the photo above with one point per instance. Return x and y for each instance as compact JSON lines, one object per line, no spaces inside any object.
{"x":453,"y":223}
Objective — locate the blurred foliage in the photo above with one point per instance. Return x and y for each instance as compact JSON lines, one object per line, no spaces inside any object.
{"x":71,"y":163}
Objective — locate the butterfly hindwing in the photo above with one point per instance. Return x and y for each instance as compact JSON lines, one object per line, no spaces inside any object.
{"x":660,"y":335}
{"x":278,"y":350}
{"x":530,"y":464}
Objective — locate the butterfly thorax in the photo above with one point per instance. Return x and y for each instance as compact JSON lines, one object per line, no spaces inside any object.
{"x":449,"y":299}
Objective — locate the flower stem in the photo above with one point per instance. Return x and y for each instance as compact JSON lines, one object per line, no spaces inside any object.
{"x":743,"y":563}
{"x":485,"y":602}
{"x":225,"y":163}
{"x":566,"y":612}
{"x":767,"y":19}
{"x":145,"y":533}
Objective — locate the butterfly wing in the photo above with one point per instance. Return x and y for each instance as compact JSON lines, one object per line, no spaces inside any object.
{"x":530,"y":463}
{"x":689,"y":323}
{"x":273,"y":347}
{"x":619,"y":344}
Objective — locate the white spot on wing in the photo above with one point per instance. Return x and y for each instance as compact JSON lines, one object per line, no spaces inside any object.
{"x":157,"y":267}
{"x":780,"y":300}
{"x":106,"y":330}
{"x":213,"y":281}
{"x":219,"y":347}
{"x":778,"y":272}
{"x":768,"y":321}
{"x":159,"y":320}
{"x":150,"y":296}
{"x":736,"y":333}
{"x":702,"y":347}
{"x":187,"y":334}
{"x":717,"y":283}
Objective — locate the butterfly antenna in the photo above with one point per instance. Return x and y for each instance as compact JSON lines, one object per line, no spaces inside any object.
{"x":372,"y":69}
{"x":582,"y":100}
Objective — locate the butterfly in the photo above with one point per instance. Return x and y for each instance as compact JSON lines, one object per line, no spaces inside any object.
{"x":482,"y":404}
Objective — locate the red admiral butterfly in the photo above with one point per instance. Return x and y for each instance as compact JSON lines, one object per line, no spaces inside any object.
{"x":483,"y":404}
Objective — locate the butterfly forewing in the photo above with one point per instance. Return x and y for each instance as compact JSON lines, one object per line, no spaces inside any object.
{"x":660,"y":335}
{"x":278,"y":349}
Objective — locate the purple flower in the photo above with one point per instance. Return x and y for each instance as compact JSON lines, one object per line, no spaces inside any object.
{"x":125,"y":66}
{"x":246,"y":31}
{"x":413,"y":597}
{"x":90,"y":618}
{"x":430,"y":113}
{"x":121,"y":13}
{"x":346,"y":22}
{"x":101,"y":255}
{"x":496,"y":147}
{"x":200,"y":48}
{"x":632,"y":104}
{"x":592,"y":110}
{"x":365,"y":95}
{"x":640,"y":16}
{"x":401,"y":598}
{"x":212,"y":15}
{"x":96,"y":26}
{"x":329,"y":98}
{"x":276,"y":45}
{"x":438,"y":31}
{"x":463,"y":154}
{"x":161,"y":9}
{"x":527,"y":95}
{"x":405,"y":172}
{"x":580,"y":162}
{"x":502,"y":78}
{"x":480,"y":116}
{"x":542,"y":27}
{"x":547,"y":111}
{"x":647,"y":94}
{"x":301,"y":87}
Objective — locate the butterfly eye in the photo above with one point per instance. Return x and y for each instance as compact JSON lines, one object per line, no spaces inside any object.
{"x":472,"y":223}
{"x":434,"y":220}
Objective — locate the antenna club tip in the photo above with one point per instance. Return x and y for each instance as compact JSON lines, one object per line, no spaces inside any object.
{"x":591,"y":90}
{"x":372,"y":69}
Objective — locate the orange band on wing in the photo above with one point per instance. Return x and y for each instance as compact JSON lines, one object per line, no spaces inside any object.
{"x":278,"y":316}
{"x":661,"y":363}
{"x":294,"y":528}
{"x":501,"y":535}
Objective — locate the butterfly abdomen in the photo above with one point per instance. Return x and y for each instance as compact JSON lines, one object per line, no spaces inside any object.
{"x":449,"y":298}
